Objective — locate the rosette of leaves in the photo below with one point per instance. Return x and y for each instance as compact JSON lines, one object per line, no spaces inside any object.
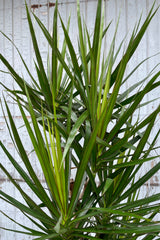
{"x":81,"y":117}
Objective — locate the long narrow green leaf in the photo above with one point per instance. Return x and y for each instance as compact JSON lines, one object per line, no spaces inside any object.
{"x":83,"y":52}
{"x":41,"y":152}
{"x":135,"y":156}
{"x":73,"y":132}
{"x":109,"y":108}
{"x":63,"y":53}
{"x":54,"y":57}
{"x":122,"y":230}
{"x":50,"y":236}
{"x":32,"y":231}
{"x":142,"y":180}
{"x":44,"y":83}
{"x":83,"y":164}
{"x":28,"y":200}
{"x":16,"y":231}
{"x":97,"y":29}
{"x":136,"y":41}
{"x":133,"y":163}
{"x":22,"y":150}
{"x":72,"y":52}
{"x":16,"y":77}
{"x":132,"y":108}
{"x":138,"y":203}
{"x":55,"y":50}
{"x":32,"y":212}
{"x":78,"y":78}
{"x":25,"y":65}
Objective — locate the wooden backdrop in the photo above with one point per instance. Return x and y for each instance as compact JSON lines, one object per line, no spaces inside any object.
{"x":13,"y":23}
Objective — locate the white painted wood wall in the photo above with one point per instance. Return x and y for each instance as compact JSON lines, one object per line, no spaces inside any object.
{"x":13,"y":23}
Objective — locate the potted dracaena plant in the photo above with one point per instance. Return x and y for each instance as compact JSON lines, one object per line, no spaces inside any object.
{"x":81,"y":117}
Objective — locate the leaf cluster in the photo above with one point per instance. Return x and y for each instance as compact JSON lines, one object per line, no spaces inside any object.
{"x":82,"y":118}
